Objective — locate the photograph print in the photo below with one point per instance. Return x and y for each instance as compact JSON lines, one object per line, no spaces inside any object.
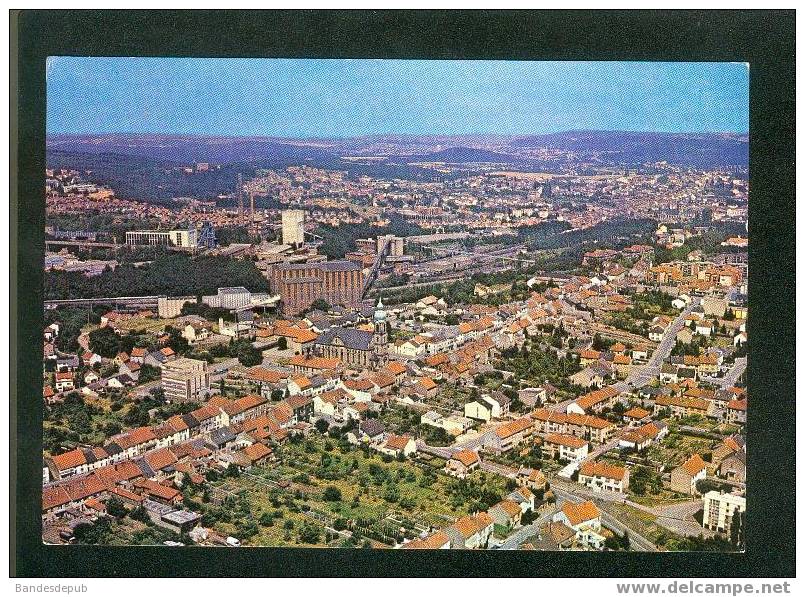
{"x":395,"y":304}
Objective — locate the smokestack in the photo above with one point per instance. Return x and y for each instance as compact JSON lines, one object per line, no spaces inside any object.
{"x":240,"y":194}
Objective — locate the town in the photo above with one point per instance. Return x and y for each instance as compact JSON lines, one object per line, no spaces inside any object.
{"x":478,"y":357}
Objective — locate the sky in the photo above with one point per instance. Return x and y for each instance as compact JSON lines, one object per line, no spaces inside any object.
{"x":345,"y":98}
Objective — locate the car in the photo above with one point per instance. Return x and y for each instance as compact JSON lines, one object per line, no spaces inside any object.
{"x":232,"y":542}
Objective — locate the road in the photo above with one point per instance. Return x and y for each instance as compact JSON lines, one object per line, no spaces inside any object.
{"x":518,"y":537}
{"x":731,"y":377}
{"x":640,"y":376}
{"x":678,"y":518}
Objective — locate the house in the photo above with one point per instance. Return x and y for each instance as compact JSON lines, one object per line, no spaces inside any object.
{"x":594,"y":402}
{"x":685,"y":336}
{"x":682,"y":406}
{"x":506,"y":514}
{"x":265,"y":381}
{"x":591,"y":428}
{"x":90,"y":359}
{"x":588,"y":427}
{"x":77,"y":462}
{"x":158,"y":492}
{"x":160,"y":357}
{"x":736,"y":412}
{"x":397,"y":369}
{"x":462,"y":463}
{"x":258,"y":453}
{"x":195,"y":331}
{"x":372,"y":429}
{"x":668,"y":373}
{"x":425,"y":388}
{"x":733,"y":467}
{"x":64,"y":381}
{"x":532,"y":478}
{"x":554,"y":536}
{"x":67,"y":363}
{"x":51,"y":332}
{"x":622,"y":364}
{"x":524,"y":498}
{"x":532,"y":396}
{"x":642,"y":437}
{"x":587,"y":378}
{"x":470,"y":532}
{"x":130,"y":368}
{"x":138,"y":354}
{"x":488,"y":407}
{"x":437,"y":540}
{"x":685,"y":476}
{"x":600,"y":476}
{"x":635,"y":415}
{"x":509,"y":435}
{"x":585,"y":521}
{"x":565,"y":447}
{"x":398,"y":444}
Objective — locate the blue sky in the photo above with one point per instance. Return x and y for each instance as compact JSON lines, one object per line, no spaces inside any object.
{"x":341,"y":98}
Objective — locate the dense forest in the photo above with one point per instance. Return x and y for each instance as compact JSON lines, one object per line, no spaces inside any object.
{"x":173,"y":275}
{"x":148,"y":179}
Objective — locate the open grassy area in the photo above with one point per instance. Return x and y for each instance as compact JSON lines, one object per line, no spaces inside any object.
{"x":643,"y":522}
{"x":319,"y":483}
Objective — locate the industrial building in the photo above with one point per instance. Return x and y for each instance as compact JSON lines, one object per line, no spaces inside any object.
{"x":187,"y":239}
{"x":231,"y":297}
{"x":293,"y":227}
{"x":337,"y":282}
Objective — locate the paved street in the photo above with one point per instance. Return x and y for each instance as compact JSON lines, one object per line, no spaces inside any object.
{"x":677,"y":518}
{"x":516,"y":539}
{"x":731,"y":377}
{"x":640,"y":376}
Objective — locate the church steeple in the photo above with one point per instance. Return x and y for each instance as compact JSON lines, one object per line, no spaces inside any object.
{"x":381,"y":335}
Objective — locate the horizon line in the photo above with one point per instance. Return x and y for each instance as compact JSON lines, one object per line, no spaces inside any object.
{"x":393,"y":134}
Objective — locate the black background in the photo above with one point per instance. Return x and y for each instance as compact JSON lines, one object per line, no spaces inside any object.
{"x":765,"y":39}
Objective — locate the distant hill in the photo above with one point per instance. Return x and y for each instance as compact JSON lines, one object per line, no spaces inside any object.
{"x":147,"y":166}
{"x":701,"y":150}
{"x":189,"y":149}
{"x":690,"y":149}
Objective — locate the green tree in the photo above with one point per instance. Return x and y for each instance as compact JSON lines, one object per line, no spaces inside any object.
{"x":104,"y":341}
{"x":331,"y":494}
{"x":248,"y":355}
{"x":115,"y":507}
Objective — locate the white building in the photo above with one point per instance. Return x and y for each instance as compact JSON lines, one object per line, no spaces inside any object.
{"x":185,"y":380}
{"x":187,"y":239}
{"x":719,"y":509}
{"x":231,"y":297}
{"x":293,"y":227}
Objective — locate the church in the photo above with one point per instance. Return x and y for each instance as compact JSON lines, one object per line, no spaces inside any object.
{"x":357,"y":348}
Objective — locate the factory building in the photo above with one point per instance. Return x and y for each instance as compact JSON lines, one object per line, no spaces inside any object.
{"x":187,"y":239}
{"x":337,"y":282}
